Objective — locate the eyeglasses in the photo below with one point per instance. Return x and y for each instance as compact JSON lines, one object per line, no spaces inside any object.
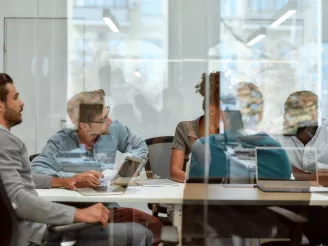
{"x":103,"y":119}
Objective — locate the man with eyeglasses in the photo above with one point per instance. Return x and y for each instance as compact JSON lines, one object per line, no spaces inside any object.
{"x":97,"y":134}
{"x":94,"y":132}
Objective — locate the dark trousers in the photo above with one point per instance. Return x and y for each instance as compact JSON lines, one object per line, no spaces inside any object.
{"x":129,"y":215}
{"x":251,"y":222}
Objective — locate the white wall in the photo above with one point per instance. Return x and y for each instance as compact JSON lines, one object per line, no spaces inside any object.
{"x":36,"y":58}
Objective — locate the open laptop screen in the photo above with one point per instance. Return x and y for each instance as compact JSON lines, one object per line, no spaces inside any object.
{"x":128,"y":170}
{"x":278,"y":163}
{"x":129,"y":167}
{"x":233,"y":120}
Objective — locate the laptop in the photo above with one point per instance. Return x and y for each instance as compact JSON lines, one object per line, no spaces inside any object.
{"x":153,"y":180}
{"x":119,"y":184}
{"x":233,"y":120}
{"x":233,"y":127}
{"x":309,"y":183}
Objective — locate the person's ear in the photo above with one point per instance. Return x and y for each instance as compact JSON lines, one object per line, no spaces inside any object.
{"x":2,"y":106}
{"x":83,"y":126}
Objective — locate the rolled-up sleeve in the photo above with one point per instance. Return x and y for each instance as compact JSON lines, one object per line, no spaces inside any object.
{"x":131,"y":142}
{"x":178,"y":141}
{"x":46,"y":163}
{"x":42,"y":181}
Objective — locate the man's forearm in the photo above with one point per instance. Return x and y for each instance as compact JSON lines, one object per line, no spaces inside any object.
{"x":62,"y":182}
{"x":56,"y":182}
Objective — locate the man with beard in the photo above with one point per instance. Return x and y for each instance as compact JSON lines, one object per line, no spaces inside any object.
{"x":98,"y":134}
{"x":33,"y":212}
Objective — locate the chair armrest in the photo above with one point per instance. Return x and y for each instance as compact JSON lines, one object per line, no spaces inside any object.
{"x":72,"y":227}
{"x":169,"y":235}
{"x":288,"y":214}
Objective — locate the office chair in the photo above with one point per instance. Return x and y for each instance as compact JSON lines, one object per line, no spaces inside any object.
{"x":288,"y":218}
{"x":158,"y":163}
{"x":33,"y":156}
{"x":9,"y":223}
{"x":169,"y":235}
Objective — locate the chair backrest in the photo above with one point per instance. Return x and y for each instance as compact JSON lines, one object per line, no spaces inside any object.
{"x":8,"y":221}
{"x":159,"y":156}
{"x":33,"y":156}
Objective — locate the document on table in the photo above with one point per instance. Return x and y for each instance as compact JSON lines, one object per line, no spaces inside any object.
{"x":156,"y":182}
{"x":108,"y":175}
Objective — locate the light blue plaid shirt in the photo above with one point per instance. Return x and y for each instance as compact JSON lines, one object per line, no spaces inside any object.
{"x":119,"y":138}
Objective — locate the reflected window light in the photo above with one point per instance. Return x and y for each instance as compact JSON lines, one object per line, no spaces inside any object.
{"x":283,"y":18}
{"x":256,"y":40}
{"x":33,"y":65}
{"x":137,"y":73}
{"x":45,"y":67}
{"x":80,"y":3}
{"x":259,"y":5}
{"x":110,"y":20}
{"x":90,"y":2}
{"x":121,"y":3}
{"x":154,"y":8}
{"x":122,"y":15}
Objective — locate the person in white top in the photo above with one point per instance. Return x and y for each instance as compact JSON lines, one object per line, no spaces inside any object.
{"x":304,"y":130}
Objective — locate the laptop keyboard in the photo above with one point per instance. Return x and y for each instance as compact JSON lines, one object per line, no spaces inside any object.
{"x":284,"y":189}
{"x":294,"y":189}
{"x":105,"y":189}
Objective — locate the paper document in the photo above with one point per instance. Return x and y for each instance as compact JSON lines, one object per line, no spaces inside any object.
{"x":108,"y":175}
{"x":156,"y":182}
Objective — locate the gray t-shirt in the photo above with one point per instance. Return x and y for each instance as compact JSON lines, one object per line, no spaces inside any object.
{"x":186,"y":133}
{"x":32,"y":211}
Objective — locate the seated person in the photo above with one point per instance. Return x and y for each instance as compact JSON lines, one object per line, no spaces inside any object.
{"x":187,"y":132}
{"x":100,"y":135}
{"x":243,"y":221}
{"x":250,"y":221}
{"x":33,"y":212}
{"x":301,"y":130}
{"x":273,"y":163}
{"x":251,"y":103}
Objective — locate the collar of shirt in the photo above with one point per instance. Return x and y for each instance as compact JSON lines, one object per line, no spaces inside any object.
{"x":73,"y":134}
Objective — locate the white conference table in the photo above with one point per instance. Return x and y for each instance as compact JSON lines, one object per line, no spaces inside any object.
{"x":139,"y":194}
{"x":215,"y":194}
{"x":135,"y":194}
